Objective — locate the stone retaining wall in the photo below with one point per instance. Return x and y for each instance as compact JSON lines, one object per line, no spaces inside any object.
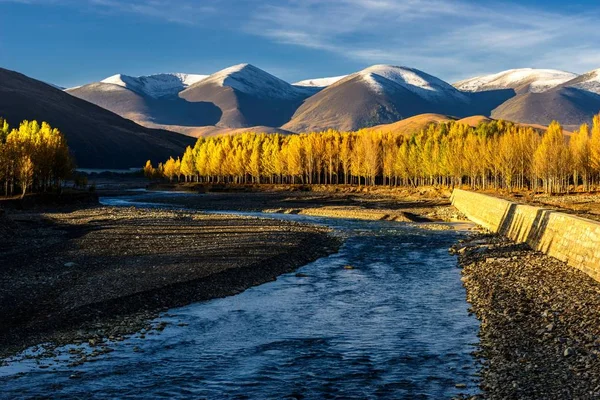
{"x":571,"y":239}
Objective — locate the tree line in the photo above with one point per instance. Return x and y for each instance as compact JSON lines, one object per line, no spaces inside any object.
{"x":32,"y":156}
{"x":494,"y":154}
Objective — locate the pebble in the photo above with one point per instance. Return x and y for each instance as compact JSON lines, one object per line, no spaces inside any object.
{"x":568,"y":352}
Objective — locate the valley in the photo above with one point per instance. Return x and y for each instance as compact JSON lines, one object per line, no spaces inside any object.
{"x":300,"y":200}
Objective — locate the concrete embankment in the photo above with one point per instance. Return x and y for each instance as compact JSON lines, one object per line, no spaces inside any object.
{"x":568,"y":238}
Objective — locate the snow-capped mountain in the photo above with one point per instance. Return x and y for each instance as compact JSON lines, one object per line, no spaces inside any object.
{"x":521,"y":80}
{"x":248,"y":79}
{"x":248,"y":96}
{"x":377,"y":95}
{"x":152,"y":101}
{"x":319,"y":82}
{"x":382,"y":78}
{"x":155,"y":86}
{"x":571,"y":103}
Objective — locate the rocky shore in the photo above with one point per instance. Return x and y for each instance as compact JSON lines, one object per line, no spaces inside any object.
{"x":100,"y":273}
{"x":540,"y":321}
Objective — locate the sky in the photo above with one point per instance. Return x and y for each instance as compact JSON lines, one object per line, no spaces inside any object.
{"x":72,"y":42}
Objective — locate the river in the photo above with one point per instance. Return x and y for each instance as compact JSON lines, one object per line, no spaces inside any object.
{"x":394,"y":326}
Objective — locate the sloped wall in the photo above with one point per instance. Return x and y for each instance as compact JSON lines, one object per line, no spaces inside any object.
{"x":571,"y":239}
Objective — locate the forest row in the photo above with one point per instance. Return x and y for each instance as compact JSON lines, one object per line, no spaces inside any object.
{"x":495,"y":154}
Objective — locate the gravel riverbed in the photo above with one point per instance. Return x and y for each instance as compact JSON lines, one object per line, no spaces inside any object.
{"x":540,"y":321}
{"x":96,"y":273}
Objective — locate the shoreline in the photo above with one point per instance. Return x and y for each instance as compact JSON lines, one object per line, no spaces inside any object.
{"x":96,"y":273}
{"x":540,"y":329}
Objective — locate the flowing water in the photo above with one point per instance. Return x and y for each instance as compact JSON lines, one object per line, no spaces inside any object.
{"x":395,"y":326}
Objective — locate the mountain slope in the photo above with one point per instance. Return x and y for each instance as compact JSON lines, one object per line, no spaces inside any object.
{"x":571,"y":103}
{"x":522,"y":80}
{"x":570,"y":106}
{"x":248,"y":96}
{"x":377,"y":95}
{"x":206,"y":131}
{"x":97,"y":138}
{"x":135,"y":104}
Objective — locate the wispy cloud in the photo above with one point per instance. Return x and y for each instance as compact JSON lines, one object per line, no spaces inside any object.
{"x":186,"y":12}
{"x":452,"y":38}
{"x":189,"y":12}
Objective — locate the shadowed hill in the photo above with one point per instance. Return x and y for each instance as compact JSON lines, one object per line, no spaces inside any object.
{"x":570,"y":106}
{"x":97,"y":138}
{"x":146,"y":110}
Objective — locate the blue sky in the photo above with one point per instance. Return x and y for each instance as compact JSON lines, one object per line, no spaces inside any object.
{"x":70,"y":42}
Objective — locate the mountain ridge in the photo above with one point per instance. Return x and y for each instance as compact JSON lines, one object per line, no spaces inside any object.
{"x":521,"y":80}
{"x":244,"y":96}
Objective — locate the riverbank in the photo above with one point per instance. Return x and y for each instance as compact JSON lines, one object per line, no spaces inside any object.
{"x":540,"y":327}
{"x":96,"y":273}
{"x":355,"y":202}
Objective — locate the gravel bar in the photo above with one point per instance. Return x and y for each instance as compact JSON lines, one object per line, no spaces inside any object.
{"x":103,"y":272}
{"x":540,"y":321}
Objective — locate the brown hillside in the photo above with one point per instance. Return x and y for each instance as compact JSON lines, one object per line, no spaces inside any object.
{"x":411,"y":125}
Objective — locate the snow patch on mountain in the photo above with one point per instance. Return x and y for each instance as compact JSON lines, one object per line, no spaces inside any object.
{"x":539,"y":80}
{"x":420,"y":83}
{"x":158,"y":85}
{"x":247,"y":78}
{"x":590,"y":81}
{"x":320,"y":82}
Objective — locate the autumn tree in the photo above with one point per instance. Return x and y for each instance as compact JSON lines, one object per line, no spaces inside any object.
{"x":595,"y":147}
{"x":188,"y":165}
{"x":149,"y":170}
{"x":170,"y":169}
{"x":581,"y":155}
{"x":552,"y":159}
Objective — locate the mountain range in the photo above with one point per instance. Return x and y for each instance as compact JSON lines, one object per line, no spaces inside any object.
{"x":121,"y":121}
{"x":244,"y":96}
